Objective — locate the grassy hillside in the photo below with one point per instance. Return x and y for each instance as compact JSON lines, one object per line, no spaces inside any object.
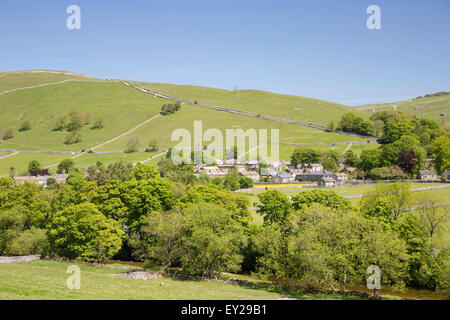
{"x":47,"y":280}
{"x":16,"y":80}
{"x":430,"y":108}
{"x":259,"y":102}
{"x":123,"y":108}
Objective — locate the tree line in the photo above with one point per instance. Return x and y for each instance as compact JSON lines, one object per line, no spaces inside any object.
{"x":140,"y":213}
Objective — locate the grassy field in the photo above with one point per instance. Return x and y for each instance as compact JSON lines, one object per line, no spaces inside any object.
{"x":21,"y":80}
{"x":20,"y":161}
{"x":438,"y":194}
{"x":47,"y":280}
{"x":430,"y":108}
{"x":260,"y":102}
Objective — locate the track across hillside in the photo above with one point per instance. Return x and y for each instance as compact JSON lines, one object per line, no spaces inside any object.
{"x":241,"y":112}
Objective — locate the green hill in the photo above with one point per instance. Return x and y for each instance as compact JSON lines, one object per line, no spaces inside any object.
{"x":123,"y":108}
{"x":430,"y":107}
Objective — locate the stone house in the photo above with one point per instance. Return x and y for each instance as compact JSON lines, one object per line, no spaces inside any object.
{"x":427,"y":175}
{"x":327,"y":182}
{"x":250,"y":174}
{"x":283,"y":177}
{"x":446,"y":175}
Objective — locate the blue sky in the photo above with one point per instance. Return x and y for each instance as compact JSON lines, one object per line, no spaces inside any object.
{"x":317,"y":49}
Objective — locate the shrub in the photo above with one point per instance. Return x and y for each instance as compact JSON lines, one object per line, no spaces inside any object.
{"x":25,"y":125}
{"x":33,"y":241}
{"x":99,"y":123}
{"x":73,"y":137}
{"x":7,"y":133}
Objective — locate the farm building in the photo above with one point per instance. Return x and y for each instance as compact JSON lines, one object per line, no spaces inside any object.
{"x":327,"y":182}
{"x":427,"y":175}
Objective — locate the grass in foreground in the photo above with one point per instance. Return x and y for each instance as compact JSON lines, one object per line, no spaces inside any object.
{"x":47,"y":280}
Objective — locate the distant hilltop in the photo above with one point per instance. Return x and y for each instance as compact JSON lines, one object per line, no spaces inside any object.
{"x":437,"y":94}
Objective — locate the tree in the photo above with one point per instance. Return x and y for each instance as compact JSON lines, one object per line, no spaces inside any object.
{"x":82,"y":232}
{"x":7,"y":133}
{"x":406,"y":160}
{"x":62,"y":122}
{"x":34,"y":165}
{"x":99,"y":123}
{"x":213,"y":240}
{"x":133,"y":144}
{"x":440,"y":149}
{"x":153,"y":145}
{"x":305,"y":156}
{"x":393,"y":131}
{"x":388,"y":200}
{"x":330,"y":165}
{"x":370,"y":159}
{"x":232,"y":179}
{"x":350,"y":158}
{"x":245,"y":183}
{"x":76,"y":121}
{"x":275,"y":206}
{"x":12,"y":172}
{"x":73,"y":137}
{"x":65,"y":166}
{"x":235,"y":203}
{"x":25,"y":125}
{"x":161,"y":238}
{"x":432,"y":215}
{"x":327,"y":198}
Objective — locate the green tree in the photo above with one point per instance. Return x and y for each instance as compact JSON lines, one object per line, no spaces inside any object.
{"x":213,"y":240}
{"x":133,"y":144}
{"x":34,"y":165}
{"x":274,"y":206}
{"x":161,"y":238}
{"x":73,"y":137}
{"x":351,"y":159}
{"x":440,"y":150}
{"x":82,"y":232}
{"x":305,"y":156}
{"x":99,"y":123}
{"x":387,"y":200}
{"x":66,"y":165}
{"x":327,"y":198}
{"x":370,"y":159}
{"x":25,"y":125}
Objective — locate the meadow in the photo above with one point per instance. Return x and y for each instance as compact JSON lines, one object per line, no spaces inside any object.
{"x":430,"y":108}
{"x":47,"y":280}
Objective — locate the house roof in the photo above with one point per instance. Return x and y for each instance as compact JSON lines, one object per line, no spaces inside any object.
{"x":427,"y":172}
{"x":327,"y":179}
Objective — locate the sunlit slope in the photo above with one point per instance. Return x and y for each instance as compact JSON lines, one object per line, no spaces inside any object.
{"x":18,"y":79}
{"x":259,"y":102}
{"x":430,"y":108}
{"x":120,"y":106}
{"x":123,"y":108}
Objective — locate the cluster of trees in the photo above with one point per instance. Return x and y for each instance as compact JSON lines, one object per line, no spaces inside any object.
{"x":320,"y":240}
{"x":407,"y":143}
{"x":169,"y":219}
{"x":353,"y":123}
{"x":167,"y":109}
{"x":330,"y":159}
{"x":73,"y":122}
{"x":7,"y":133}
{"x":437,"y":94}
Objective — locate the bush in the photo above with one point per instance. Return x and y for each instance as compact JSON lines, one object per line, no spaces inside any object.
{"x":7,"y":133}
{"x":73,"y":137}
{"x":26,"y":125}
{"x":99,"y":123}
{"x":33,"y":241}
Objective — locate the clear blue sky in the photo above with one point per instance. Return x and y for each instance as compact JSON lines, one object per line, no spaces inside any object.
{"x":318,"y":49}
